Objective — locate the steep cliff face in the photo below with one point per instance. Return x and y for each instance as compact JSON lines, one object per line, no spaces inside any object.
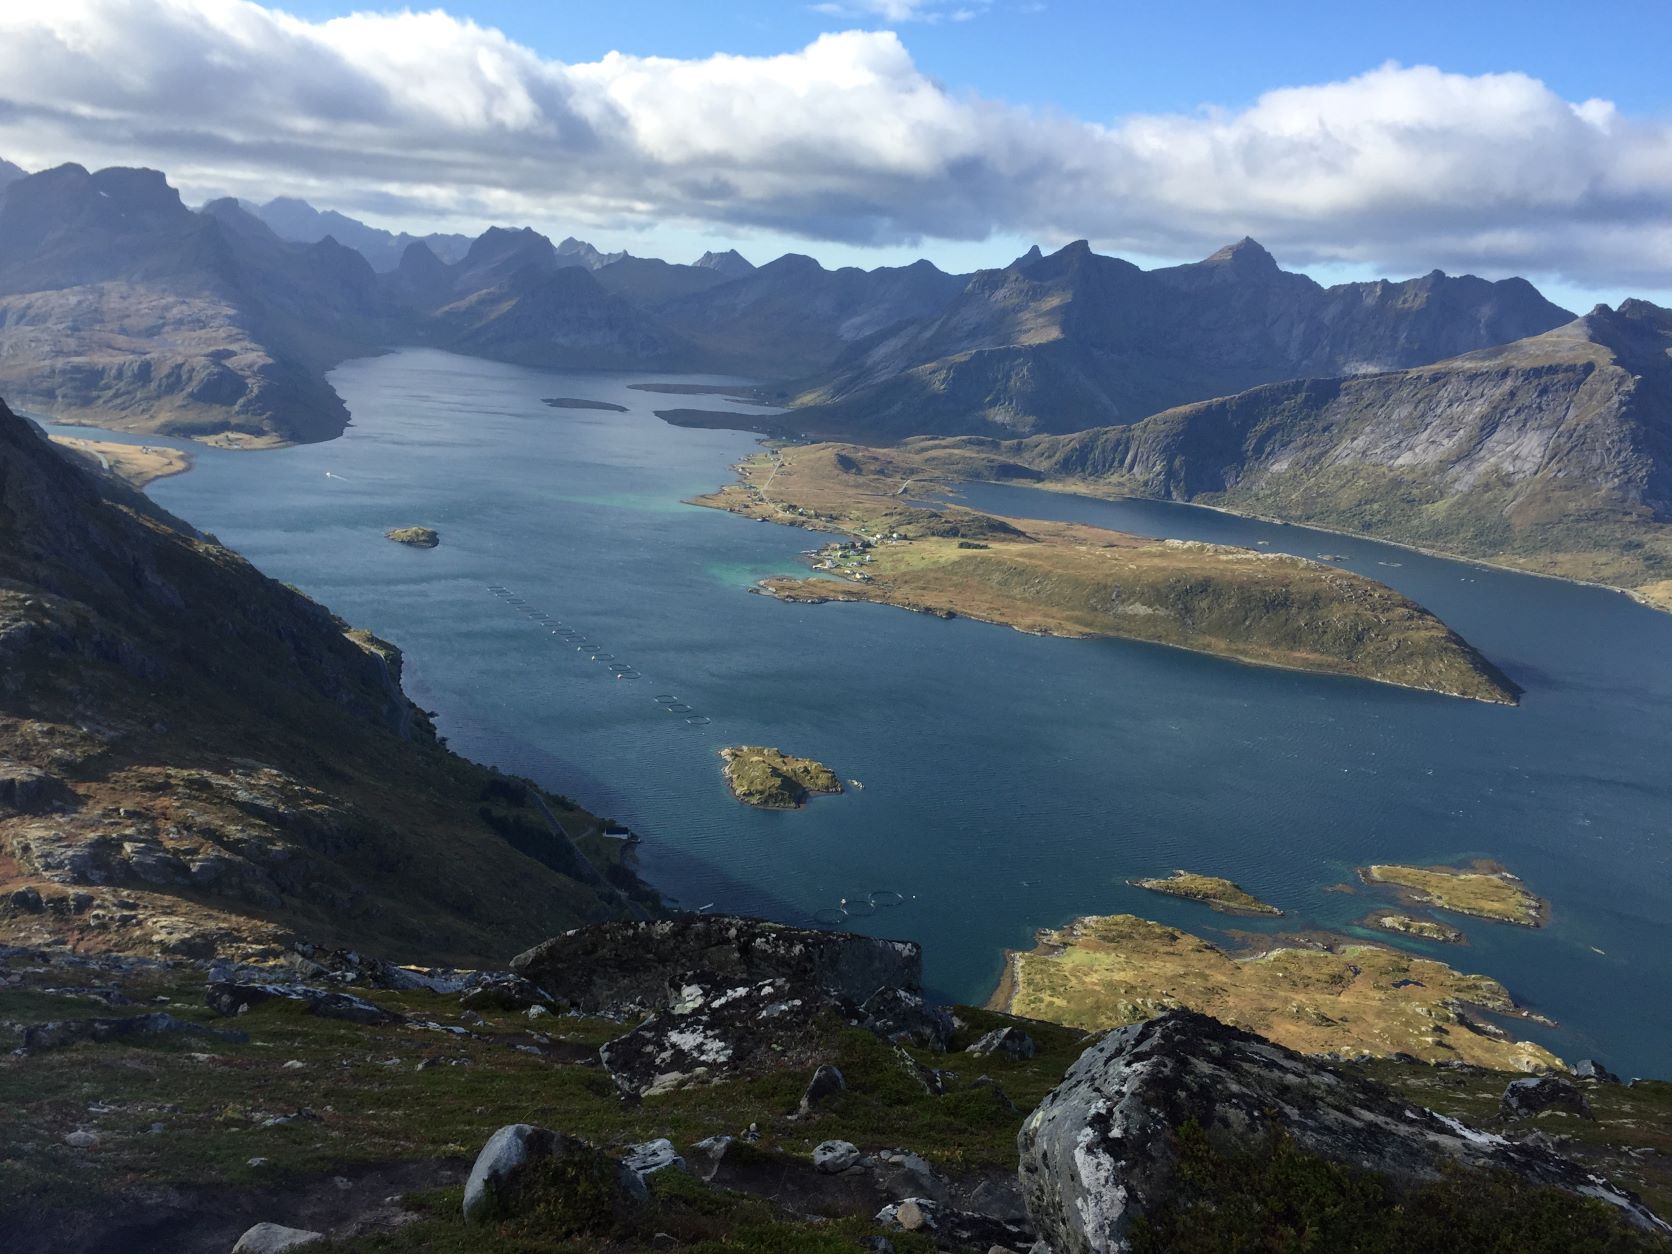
{"x":1554,"y":452}
{"x":215,"y":761}
{"x":1076,"y":340}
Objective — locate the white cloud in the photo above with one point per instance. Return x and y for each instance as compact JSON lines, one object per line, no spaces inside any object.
{"x":896,"y":12}
{"x":436,"y":118}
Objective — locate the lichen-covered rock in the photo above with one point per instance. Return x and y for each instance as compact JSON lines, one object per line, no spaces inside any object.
{"x":1009,"y":1040}
{"x":621,"y":967}
{"x":1525,"y":1098}
{"x":1098,"y":1152}
{"x":834,"y":1157}
{"x":645,"y":1160}
{"x":712,"y":1031}
{"x":273,"y":1238}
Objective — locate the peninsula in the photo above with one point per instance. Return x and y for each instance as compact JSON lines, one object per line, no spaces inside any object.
{"x":774,"y":780}
{"x":138,"y":464}
{"x":1335,"y":996}
{"x":1485,"y":891}
{"x":1070,"y":580}
{"x":1210,"y":890}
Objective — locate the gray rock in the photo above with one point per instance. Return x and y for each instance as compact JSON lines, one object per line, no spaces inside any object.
{"x":1097,"y":1153}
{"x":827,"y":1081}
{"x":504,"y":1164}
{"x":953,"y":1228}
{"x":832,"y":1157}
{"x":82,"y":1139}
{"x":623,"y":966}
{"x":1525,"y":1098}
{"x":272,"y":1238}
{"x":1008,"y":1040}
{"x":645,"y":1160}
{"x":1591,"y":1069}
{"x":504,"y":992}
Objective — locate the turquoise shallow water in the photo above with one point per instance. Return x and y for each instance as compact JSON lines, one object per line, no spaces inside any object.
{"x":1011,"y":782}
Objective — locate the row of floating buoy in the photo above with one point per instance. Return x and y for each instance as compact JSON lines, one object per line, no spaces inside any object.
{"x":860,"y":906}
{"x":595,"y":652}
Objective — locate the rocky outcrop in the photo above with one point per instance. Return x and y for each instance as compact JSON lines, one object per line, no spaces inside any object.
{"x":511,"y":1162}
{"x":270,"y":1238}
{"x":1524,"y":1099}
{"x":1099,"y":1153}
{"x":618,"y":968}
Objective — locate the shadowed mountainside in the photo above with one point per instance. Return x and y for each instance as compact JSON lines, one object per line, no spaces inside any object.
{"x":200,"y":760}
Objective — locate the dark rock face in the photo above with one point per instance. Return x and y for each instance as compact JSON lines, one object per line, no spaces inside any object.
{"x":1097,"y":1153}
{"x":904,"y":1018}
{"x":617,"y":968}
{"x":826,"y":1083}
{"x":956,"y":1229}
{"x":1525,"y":1098}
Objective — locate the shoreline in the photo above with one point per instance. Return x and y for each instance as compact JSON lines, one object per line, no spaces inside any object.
{"x":1085,"y":489}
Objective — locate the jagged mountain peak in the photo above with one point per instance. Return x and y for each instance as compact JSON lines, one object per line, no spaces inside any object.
{"x":1247,"y":255}
{"x":730,"y":263}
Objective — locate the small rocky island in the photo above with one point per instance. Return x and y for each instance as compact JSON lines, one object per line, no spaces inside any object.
{"x":774,"y":780}
{"x":1210,"y":890}
{"x":576,"y":402}
{"x":417,"y":537}
{"x":1485,"y":891}
{"x":1406,"y":925}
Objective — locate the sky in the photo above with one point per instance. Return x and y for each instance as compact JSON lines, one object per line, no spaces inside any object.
{"x":1354,"y":141}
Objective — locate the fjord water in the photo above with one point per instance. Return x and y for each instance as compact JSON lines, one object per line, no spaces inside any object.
{"x":1011,"y":782}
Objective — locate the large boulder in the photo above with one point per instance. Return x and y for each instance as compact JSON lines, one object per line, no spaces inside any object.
{"x":1100,"y":1150}
{"x":274,"y":1238}
{"x":622,"y":967}
{"x":904,"y":1018}
{"x":713,"y":1030}
{"x":1535,"y":1094}
{"x":514,"y":1157}
{"x":230,"y":997}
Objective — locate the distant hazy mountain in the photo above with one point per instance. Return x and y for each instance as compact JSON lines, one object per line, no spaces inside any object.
{"x":649,"y":282}
{"x":10,"y":173}
{"x":514,"y":301}
{"x":120,"y":305}
{"x":731,"y":263}
{"x":297,"y":220}
{"x":793,"y":317}
{"x":577,"y":252}
{"x":1075,"y":339}
{"x":1553,"y":452}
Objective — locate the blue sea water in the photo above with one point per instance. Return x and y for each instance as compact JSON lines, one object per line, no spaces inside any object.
{"x":1010,"y":781}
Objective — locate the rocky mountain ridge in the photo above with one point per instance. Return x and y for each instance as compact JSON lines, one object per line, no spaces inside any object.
{"x":1552,"y":453}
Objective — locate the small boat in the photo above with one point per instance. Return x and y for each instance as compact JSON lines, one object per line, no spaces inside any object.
{"x":854,"y":783}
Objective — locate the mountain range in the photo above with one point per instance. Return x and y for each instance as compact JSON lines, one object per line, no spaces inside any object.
{"x":1552,"y":453}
